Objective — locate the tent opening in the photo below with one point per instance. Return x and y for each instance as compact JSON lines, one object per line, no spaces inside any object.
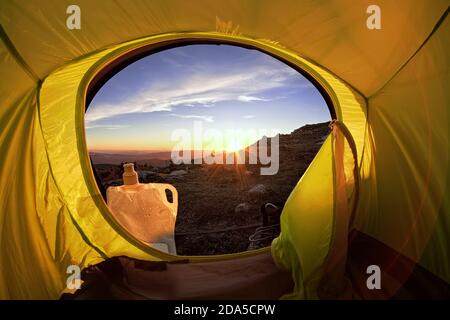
{"x":217,"y":135}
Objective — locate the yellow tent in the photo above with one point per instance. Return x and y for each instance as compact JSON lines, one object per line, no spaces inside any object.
{"x":384,"y":170}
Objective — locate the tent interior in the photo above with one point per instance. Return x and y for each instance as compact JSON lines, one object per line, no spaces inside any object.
{"x":377,"y":192}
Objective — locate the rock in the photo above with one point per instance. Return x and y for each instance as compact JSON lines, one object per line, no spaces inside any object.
{"x":242,"y":208}
{"x":150,"y":177}
{"x":258,"y":193}
{"x":258,"y":190}
{"x":145,"y":175}
{"x":178,"y":173}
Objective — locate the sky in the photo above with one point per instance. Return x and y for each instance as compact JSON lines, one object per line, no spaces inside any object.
{"x":219,"y":88}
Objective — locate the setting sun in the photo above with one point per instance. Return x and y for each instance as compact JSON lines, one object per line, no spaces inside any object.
{"x":234,"y":146}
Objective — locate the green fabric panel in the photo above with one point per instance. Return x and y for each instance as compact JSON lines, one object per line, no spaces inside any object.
{"x":307,"y":225}
{"x":409,"y":120}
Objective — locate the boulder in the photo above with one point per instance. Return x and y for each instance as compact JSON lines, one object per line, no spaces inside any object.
{"x":178,"y":173}
{"x":258,"y":190}
{"x":242,"y":208}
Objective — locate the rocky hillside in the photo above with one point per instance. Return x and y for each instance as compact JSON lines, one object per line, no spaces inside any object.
{"x":224,"y":197}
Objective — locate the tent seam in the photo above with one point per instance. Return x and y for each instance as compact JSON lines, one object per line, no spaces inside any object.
{"x":17,"y":56}
{"x":433,"y":31}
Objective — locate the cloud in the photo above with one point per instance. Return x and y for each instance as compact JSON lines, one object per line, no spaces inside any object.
{"x":248,"y":116}
{"x":205,"y":87}
{"x":193,"y":116}
{"x":250,"y":98}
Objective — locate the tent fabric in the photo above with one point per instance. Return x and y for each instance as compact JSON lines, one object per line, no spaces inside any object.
{"x":307,"y":224}
{"x":388,"y":87}
{"x":315,"y":222}
{"x":410,"y":126}
{"x":332,"y":33}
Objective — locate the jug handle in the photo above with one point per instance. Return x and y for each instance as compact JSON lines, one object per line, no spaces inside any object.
{"x":162,"y":187}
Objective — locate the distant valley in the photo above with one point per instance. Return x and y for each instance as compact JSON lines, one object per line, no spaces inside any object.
{"x":155,"y":159}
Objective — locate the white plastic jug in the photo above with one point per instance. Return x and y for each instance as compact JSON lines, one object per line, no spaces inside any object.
{"x":144,"y":210}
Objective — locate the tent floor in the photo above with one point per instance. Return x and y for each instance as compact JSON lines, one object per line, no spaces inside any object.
{"x":254,"y":277}
{"x":401,"y":278}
